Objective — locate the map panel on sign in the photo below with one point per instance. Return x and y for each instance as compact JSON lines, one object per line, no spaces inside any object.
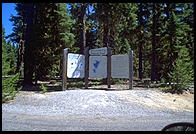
{"x":75,"y":65}
{"x":120,"y":66}
{"x":97,"y":66}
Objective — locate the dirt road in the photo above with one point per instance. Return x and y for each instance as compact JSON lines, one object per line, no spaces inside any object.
{"x":96,"y":110}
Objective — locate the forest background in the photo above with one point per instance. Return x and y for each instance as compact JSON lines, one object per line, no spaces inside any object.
{"x":161,"y":36}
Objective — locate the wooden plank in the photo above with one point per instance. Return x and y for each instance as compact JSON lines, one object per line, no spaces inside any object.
{"x":65,"y":55}
{"x":86,"y":53}
{"x":98,"y":51}
{"x":131,"y":69}
{"x":109,"y":67}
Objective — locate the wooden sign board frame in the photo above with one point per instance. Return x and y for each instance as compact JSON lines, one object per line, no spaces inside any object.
{"x":100,"y":51}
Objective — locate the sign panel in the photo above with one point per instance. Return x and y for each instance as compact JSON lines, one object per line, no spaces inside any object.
{"x":97,"y":66}
{"x":98,"y":51}
{"x":120,"y":66}
{"x":75,"y":65}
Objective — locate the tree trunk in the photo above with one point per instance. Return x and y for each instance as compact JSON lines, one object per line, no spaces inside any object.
{"x":28,"y":70}
{"x":20,"y":57}
{"x":140,"y":36}
{"x":140,"y":61}
{"x":153,"y":67}
{"x":83,"y":30}
{"x":105,"y":36}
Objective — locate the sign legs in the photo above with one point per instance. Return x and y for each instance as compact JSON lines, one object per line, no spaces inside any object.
{"x":131,"y":69}
{"x":86,"y":53}
{"x":109,"y":67}
{"x":65,"y":57}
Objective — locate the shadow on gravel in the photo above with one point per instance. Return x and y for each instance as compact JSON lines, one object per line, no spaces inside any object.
{"x":107,"y":89}
{"x":38,"y":89}
{"x":59,"y":88}
{"x":53,"y":85}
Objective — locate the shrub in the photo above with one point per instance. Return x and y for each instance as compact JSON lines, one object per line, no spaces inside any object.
{"x":9,"y":84}
{"x":44,"y":89}
{"x":9,"y":79}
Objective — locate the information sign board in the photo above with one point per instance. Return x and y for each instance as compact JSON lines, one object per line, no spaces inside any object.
{"x":120,"y":66}
{"x":75,"y":65}
{"x":98,"y":66}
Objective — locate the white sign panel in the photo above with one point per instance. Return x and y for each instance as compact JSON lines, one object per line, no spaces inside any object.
{"x":98,"y":51}
{"x":75,"y":66}
{"x":97,"y":66}
{"x":120,"y":66}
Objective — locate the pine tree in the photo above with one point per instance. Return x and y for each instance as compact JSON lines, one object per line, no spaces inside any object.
{"x":116,"y":23}
{"x":9,"y":54}
{"x":63,"y":37}
{"x":44,"y":28}
{"x":17,"y":37}
{"x":52,"y":34}
{"x":185,"y":14}
{"x":174,"y":31}
{"x":84,"y":22}
{"x":5,"y":62}
{"x":142,"y":32}
{"x":182,"y":75}
{"x":126,"y":28}
{"x":9,"y":79}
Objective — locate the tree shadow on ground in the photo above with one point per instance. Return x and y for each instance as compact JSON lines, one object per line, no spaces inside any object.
{"x":107,"y":89}
{"x":53,"y":85}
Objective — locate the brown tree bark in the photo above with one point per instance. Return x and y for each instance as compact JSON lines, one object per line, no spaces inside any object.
{"x":140,"y":61}
{"x":20,"y":57}
{"x":153,"y":67}
{"x":105,"y":36}
{"x":83,"y":29}
{"x":28,"y":70}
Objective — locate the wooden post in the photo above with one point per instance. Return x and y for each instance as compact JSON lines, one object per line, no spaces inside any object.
{"x":109,"y":53}
{"x":131,"y":69}
{"x":65,"y":58}
{"x":86,"y":53}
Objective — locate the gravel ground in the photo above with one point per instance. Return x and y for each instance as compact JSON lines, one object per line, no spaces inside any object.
{"x":91,"y":110}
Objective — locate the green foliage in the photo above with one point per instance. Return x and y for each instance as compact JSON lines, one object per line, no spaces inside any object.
{"x":9,"y":79}
{"x":9,"y":85}
{"x":117,"y":81}
{"x":182,"y":75}
{"x":19,"y":24}
{"x":121,"y":26}
{"x":9,"y":58}
{"x":51,"y":37}
{"x":44,"y":89}
{"x":118,"y":21}
{"x":172,"y":31}
{"x":51,"y":33}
